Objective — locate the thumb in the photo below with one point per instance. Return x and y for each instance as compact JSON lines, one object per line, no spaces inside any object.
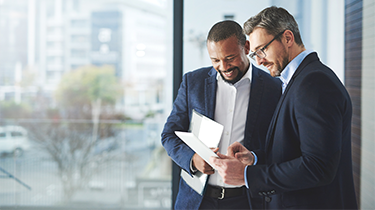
{"x":239,"y":155}
{"x":215,"y":150}
{"x":222,"y":156}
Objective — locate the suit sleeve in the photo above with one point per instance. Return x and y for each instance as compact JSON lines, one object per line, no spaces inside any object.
{"x":316,"y":114}
{"x":178,"y":120}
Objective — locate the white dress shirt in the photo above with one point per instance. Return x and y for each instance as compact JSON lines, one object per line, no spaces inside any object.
{"x":231,"y":111}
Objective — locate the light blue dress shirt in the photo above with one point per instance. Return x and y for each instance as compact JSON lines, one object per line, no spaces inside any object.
{"x":289,"y":70}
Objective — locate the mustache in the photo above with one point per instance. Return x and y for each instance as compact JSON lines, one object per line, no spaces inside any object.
{"x":266,"y":63}
{"x":229,"y":70}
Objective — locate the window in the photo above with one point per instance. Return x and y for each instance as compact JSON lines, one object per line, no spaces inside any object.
{"x":79,"y":23}
{"x":78,"y":53}
{"x":79,"y":38}
{"x":15,"y":134}
{"x":91,"y":115}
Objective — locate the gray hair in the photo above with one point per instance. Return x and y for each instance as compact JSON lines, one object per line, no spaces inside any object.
{"x":274,"y":20}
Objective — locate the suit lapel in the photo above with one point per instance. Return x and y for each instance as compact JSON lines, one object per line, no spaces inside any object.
{"x":271,"y":129}
{"x":256,"y":91}
{"x":210,"y":93}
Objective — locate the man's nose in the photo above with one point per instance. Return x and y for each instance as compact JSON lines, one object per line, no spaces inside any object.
{"x":224,"y":66}
{"x":259,"y":60}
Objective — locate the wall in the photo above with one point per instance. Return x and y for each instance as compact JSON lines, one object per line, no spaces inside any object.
{"x":353,"y":72}
{"x":367,"y":106}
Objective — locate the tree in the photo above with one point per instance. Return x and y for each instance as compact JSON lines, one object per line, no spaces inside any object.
{"x":76,"y":157}
{"x":89,"y":86}
{"x":72,"y":144}
{"x":13,"y":110}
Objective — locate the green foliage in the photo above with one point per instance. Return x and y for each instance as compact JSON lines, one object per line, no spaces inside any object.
{"x":80,"y":87}
{"x":150,"y":114}
{"x":12,"y":110}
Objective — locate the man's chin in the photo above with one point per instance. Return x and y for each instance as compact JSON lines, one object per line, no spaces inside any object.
{"x":275,"y":73}
{"x":229,"y":79}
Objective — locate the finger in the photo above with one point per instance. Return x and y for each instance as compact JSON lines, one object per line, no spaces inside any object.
{"x":222,"y":156}
{"x":233,"y":149}
{"x":208,"y":172}
{"x":245,"y":158}
{"x":208,"y":169}
{"x":230,"y":151}
{"x":215,"y":162}
{"x":240,"y":155}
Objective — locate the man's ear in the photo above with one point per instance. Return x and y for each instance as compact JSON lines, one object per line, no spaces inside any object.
{"x":247,"y":47}
{"x":289,"y":37}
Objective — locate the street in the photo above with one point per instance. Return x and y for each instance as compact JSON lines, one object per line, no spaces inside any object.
{"x":120,"y":182}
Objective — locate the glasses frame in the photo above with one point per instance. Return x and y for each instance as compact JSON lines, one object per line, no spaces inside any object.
{"x":261,"y":50}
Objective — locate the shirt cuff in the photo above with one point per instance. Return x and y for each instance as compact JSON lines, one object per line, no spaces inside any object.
{"x":255,"y":158}
{"x":246,"y":183}
{"x":192,"y":169}
{"x":245,"y":171}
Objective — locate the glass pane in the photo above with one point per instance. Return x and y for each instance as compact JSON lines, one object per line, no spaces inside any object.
{"x":195,"y":52}
{"x":88,"y":85}
{"x":16,"y":134}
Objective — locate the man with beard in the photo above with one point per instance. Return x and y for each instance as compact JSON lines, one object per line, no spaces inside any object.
{"x":307,"y":162}
{"x":235,"y":94}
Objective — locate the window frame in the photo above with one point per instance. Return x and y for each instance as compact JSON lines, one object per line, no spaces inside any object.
{"x":178,"y":25}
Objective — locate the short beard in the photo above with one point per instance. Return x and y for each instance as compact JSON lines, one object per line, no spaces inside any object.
{"x":239,"y":76}
{"x":280,"y":68}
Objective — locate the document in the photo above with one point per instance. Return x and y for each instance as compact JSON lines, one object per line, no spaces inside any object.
{"x":205,"y":129}
{"x":197,"y":145}
{"x":204,"y":134}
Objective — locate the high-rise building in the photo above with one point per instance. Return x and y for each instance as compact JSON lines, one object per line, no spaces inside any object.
{"x":52,"y":37}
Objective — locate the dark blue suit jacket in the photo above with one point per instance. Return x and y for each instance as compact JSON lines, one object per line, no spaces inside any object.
{"x":198,"y":91}
{"x":308,"y":151}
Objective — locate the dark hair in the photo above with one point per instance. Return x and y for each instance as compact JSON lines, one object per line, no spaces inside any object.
{"x":225,"y":29}
{"x":274,"y":20}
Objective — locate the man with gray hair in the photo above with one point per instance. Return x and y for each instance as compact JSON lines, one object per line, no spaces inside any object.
{"x":235,"y":94}
{"x":307,"y":162}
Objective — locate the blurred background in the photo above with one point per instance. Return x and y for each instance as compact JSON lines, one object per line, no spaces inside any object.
{"x":84,"y":90}
{"x":86,"y":87}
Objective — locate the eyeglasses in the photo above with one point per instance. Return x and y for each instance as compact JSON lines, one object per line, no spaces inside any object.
{"x":260,"y":53}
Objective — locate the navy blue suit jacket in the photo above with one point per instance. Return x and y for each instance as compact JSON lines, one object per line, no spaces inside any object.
{"x":198,"y":91}
{"x":308,"y":151}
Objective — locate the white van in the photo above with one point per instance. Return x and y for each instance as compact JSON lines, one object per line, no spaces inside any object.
{"x":13,"y":140}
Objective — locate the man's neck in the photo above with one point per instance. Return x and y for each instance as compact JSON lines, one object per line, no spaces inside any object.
{"x":296,"y":51}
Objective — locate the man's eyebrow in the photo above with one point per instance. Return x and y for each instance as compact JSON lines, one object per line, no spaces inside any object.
{"x":258,"y":47}
{"x":226,"y":57}
{"x":230,"y":56}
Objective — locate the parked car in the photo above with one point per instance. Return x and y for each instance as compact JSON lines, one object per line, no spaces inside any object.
{"x":13,"y":140}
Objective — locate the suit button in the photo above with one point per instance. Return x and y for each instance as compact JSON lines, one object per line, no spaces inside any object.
{"x":268,"y":199}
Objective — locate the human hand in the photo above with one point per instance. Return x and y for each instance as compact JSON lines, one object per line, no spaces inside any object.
{"x":237,"y":150}
{"x":201,"y":165}
{"x":230,"y":169}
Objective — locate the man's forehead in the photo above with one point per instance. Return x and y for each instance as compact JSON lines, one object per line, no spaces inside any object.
{"x":224,"y":45}
{"x":258,"y":38}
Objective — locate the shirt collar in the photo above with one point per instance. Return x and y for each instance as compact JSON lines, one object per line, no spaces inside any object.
{"x":247,"y":76}
{"x":287,"y":73}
